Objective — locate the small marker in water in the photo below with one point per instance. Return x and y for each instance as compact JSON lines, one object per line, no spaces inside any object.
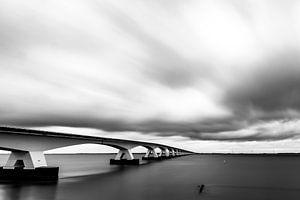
{"x":201,"y":188}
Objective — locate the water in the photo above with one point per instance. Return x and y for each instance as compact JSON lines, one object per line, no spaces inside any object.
{"x":90,"y":177}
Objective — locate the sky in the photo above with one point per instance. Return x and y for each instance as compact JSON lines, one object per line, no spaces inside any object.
{"x":204,"y":75}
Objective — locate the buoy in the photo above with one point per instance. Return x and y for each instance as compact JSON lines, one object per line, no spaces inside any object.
{"x":201,"y":188}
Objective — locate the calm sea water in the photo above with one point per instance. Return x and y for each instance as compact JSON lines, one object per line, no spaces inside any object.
{"x":90,"y":177}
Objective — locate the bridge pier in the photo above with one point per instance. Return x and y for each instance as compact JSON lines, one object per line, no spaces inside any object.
{"x":172,"y":153}
{"x":165,"y":153}
{"x":26,"y":160}
{"x":151,"y":155}
{"x":124,"y":157}
{"x":25,"y":165}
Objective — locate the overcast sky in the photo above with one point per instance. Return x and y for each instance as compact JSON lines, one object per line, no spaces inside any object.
{"x":206,"y":75}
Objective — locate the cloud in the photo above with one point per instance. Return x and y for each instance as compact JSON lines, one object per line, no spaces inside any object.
{"x":208,"y":70}
{"x":270,"y":92}
{"x":263,"y":131}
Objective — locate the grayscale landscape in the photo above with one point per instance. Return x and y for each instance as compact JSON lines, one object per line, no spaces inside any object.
{"x":144,"y":100}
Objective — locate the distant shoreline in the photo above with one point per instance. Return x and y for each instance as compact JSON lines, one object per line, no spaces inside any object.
{"x":75,"y":153}
{"x":252,"y":154}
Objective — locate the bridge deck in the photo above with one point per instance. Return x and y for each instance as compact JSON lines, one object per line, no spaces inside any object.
{"x":31,"y":132}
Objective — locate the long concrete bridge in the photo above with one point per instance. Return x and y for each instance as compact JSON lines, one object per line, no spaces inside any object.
{"x":27,"y":148}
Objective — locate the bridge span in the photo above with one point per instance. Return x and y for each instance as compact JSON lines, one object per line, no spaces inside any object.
{"x":27,"y":148}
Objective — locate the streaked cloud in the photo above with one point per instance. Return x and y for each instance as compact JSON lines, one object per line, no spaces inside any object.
{"x":208,"y":70}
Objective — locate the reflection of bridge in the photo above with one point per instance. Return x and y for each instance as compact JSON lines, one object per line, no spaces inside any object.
{"x":27,"y":147}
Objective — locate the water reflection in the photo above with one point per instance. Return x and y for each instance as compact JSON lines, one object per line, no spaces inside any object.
{"x":26,"y":191}
{"x":242,"y":177}
{"x":76,"y":172}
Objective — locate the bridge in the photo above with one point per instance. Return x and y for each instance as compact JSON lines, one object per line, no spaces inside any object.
{"x":27,"y":148}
